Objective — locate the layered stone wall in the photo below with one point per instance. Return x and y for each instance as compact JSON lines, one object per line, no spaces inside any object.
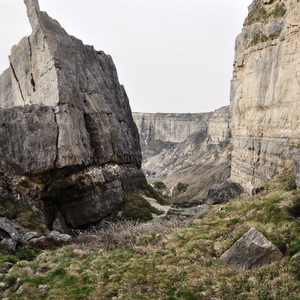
{"x":265,"y":92}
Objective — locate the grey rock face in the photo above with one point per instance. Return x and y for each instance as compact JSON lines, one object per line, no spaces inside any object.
{"x":8,"y":227}
{"x":199,"y":211}
{"x":30,"y":235}
{"x":38,"y":239}
{"x":69,"y":145}
{"x":59,"y":224}
{"x":297,"y":167}
{"x":43,"y":287}
{"x":265,"y":94}
{"x":251,"y":251}
{"x":9,"y":242}
{"x":59,"y":237}
{"x":223,"y":192}
{"x":172,"y":141}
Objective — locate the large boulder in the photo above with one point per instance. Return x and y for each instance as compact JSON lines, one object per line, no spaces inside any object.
{"x":69,"y":145}
{"x":251,"y":251}
{"x":223,"y":192}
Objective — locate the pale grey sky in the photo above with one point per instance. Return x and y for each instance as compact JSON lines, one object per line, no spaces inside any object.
{"x":171,"y":55}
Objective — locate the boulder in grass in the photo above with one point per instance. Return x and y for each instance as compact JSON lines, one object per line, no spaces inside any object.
{"x":251,"y":251}
{"x":220,"y":193}
{"x":199,"y":211}
{"x":7,"y":226}
{"x":59,"y":237}
{"x":38,"y":239}
{"x":9,"y":242}
{"x":30,"y":235}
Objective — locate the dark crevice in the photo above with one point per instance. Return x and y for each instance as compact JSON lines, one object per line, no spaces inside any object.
{"x":6,"y":181}
{"x":56,"y":158}
{"x":17,"y":81}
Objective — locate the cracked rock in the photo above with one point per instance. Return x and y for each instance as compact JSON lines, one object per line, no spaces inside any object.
{"x":8,"y":227}
{"x":251,"y":251}
{"x":69,"y":145}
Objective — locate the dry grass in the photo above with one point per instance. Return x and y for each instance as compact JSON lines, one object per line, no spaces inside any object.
{"x":121,"y":234}
{"x":156,"y":261}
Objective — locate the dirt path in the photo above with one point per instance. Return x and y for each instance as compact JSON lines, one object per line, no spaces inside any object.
{"x":154,"y":203}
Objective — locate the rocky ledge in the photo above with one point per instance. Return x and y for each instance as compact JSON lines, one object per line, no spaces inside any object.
{"x":69,"y":145}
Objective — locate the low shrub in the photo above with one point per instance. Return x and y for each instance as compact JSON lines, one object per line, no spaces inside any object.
{"x":159,"y":185}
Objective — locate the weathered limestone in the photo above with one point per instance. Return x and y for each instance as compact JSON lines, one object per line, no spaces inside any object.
{"x":265,"y":93}
{"x":220,"y":193}
{"x":69,"y":144}
{"x":172,"y":141}
{"x":8,"y":227}
{"x":251,"y":251}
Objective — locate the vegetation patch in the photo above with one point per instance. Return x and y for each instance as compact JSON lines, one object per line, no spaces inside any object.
{"x":260,"y":38}
{"x":259,"y":14}
{"x":159,"y":185}
{"x":183,"y":264}
{"x":135,"y":208}
{"x":31,"y":251}
{"x":149,"y":191}
{"x":182,"y":187}
{"x":22,"y":217}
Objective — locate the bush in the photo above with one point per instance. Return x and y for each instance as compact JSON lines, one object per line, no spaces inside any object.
{"x":159,"y":185}
{"x":149,"y":191}
{"x":295,"y":209}
{"x":31,"y":251}
{"x":182,"y":187}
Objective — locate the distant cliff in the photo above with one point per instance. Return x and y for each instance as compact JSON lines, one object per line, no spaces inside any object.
{"x":265,"y":92}
{"x":172,"y":141}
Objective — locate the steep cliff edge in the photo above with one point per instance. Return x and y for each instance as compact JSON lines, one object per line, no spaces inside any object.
{"x":265,"y":92}
{"x":69,"y":145}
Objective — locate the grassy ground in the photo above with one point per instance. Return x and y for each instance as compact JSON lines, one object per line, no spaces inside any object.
{"x":22,"y":217}
{"x":183,"y":264}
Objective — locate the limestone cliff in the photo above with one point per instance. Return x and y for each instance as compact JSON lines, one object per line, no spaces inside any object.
{"x":68,"y":141}
{"x":265,"y":92}
{"x":174,"y":142}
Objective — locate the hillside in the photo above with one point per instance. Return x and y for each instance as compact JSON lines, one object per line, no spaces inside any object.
{"x":183,"y":147}
{"x":180,"y":265}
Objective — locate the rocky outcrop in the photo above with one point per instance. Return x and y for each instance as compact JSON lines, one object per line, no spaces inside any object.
{"x":173,"y":141}
{"x":220,"y":193}
{"x":69,"y":145}
{"x":251,"y":251}
{"x":265,"y":92}
{"x":169,"y":127}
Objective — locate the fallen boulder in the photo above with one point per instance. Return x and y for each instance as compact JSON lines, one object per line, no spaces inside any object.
{"x":59,"y":237}
{"x":198,"y":211}
{"x":220,"y":193}
{"x":30,"y":235}
{"x":251,"y":251}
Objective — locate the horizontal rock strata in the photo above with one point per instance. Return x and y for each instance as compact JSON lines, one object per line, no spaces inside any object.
{"x":265,"y":92}
{"x":68,"y":140}
{"x":172,"y":141}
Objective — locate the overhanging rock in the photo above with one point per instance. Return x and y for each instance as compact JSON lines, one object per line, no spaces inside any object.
{"x":68,"y":140}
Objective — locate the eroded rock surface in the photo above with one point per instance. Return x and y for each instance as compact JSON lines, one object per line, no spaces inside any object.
{"x":251,"y":251}
{"x":68,"y":140}
{"x":265,"y":92}
{"x":220,"y":193}
{"x":173,"y":141}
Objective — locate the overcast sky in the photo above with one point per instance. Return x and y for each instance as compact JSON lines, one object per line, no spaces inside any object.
{"x":171,"y":55}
